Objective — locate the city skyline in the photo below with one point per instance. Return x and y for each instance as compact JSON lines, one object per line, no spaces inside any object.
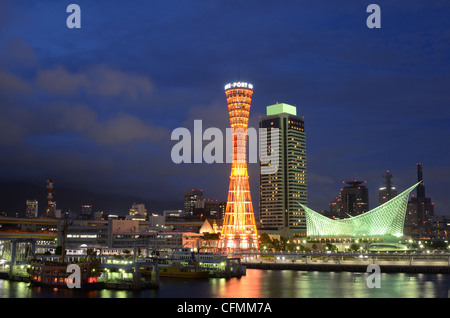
{"x":93,"y":108}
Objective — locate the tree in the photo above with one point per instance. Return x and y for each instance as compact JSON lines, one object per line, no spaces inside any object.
{"x":439,"y":245}
{"x":264,"y":238}
{"x":58,"y":250}
{"x":265,"y":242}
{"x":329,"y":247}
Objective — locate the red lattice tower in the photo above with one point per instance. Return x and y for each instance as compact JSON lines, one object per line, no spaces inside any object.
{"x":239,"y":228}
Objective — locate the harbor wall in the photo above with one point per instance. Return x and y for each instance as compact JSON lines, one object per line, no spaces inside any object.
{"x":432,"y":269}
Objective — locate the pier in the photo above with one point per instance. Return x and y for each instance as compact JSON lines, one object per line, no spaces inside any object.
{"x":430,"y":269}
{"x":351,"y":262}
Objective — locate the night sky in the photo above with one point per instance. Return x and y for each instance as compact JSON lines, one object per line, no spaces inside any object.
{"x":94,"y":108}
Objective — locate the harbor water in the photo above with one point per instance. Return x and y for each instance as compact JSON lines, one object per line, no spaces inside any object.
{"x":262,"y":284}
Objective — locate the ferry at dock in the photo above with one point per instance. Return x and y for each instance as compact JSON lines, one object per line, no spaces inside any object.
{"x":54,"y":274}
{"x":186,"y":263}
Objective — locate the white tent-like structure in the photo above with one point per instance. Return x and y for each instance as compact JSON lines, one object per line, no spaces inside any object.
{"x":385,"y":220}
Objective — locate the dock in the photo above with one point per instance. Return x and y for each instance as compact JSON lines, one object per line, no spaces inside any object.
{"x":430,"y":269}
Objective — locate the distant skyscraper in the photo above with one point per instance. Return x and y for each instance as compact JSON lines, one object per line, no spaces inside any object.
{"x":138,"y":212}
{"x":420,"y":210}
{"x":98,"y":215}
{"x":193,"y":199}
{"x":86,"y":212}
{"x":212,"y":209}
{"x":32,"y":209}
{"x":388,"y":191}
{"x":335,"y":208}
{"x":281,"y":192}
{"x":354,"y":199}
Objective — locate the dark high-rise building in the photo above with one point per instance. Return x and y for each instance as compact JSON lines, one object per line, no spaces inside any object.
{"x":193,"y":199}
{"x":32,"y":209}
{"x":335,"y":208}
{"x":354,"y":199}
{"x":388,"y":191}
{"x":285,"y":187}
{"x":420,"y":210}
{"x":86,"y":212}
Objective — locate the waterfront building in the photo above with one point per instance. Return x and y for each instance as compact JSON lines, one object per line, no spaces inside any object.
{"x":386,"y":220}
{"x":282,"y":191}
{"x":239,"y":226}
{"x":388,"y":191}
{"x":114,"y":233}
{"x":32,"y":209}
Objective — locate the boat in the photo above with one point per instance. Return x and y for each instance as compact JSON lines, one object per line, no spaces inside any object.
{"x":55,"y":273}
{"x":185,"y":263}
{"x":182,"y":272}
{"x":177,"y":270}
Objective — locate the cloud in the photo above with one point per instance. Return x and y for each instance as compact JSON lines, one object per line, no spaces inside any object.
{"x":10,"y":132}
{"x":79,"y":117}
{"x":12,"y":84}
{"x":125,"y":128}
{"x":61,"y":81}
{"x":320,"y":179}
{"x":22,"y":119}
{"x":119,"y":129}
{"x":109,"y":83}
{"x":19,"y":54}
{"x":100,"y":81}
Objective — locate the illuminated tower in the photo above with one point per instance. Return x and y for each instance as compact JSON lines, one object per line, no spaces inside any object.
{"x":239,"y":228}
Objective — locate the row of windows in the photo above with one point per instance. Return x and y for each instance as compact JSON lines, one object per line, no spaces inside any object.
{"x":238,"y":92}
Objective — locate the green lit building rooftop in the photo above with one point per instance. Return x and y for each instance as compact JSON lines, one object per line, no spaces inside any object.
{"x":386,"y":220}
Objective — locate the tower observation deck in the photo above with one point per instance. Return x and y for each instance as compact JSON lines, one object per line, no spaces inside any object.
{"x":239,"y":228}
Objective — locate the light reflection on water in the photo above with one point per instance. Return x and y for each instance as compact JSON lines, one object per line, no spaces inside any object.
{"x":264,"y":284}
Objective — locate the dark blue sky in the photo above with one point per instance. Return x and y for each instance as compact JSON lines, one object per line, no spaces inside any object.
{"x":94,"y":107}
